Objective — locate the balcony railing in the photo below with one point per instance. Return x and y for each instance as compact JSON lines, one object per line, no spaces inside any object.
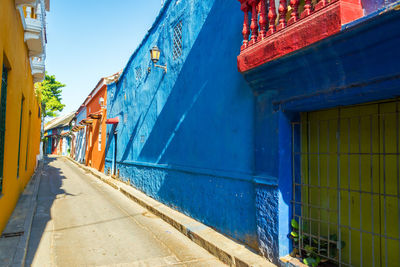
{"x":273,"y":28}
{"x":24,"y":2}
{"x":33,"y":20}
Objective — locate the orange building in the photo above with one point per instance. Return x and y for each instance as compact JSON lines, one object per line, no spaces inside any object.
{"x":96,"y":122}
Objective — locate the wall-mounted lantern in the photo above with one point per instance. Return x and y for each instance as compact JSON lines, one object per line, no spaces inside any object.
{"x":155,"y":56}
{"x":101,"y":102}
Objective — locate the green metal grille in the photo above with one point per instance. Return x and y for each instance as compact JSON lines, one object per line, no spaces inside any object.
{"x":3,"y":121}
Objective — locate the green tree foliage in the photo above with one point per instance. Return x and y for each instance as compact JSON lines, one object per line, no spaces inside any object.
{"x":49,"y":93}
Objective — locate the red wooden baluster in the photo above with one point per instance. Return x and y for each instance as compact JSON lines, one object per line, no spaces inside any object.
{"x":282,"y":14}
{"x":294,"y":16}
{"x":307,"y":9}
{"x":254,"y":24}
{"x":271,"y":17}
{"x":246,"y":29}
{"x":320,"y":4}
{"x":263,"y":20}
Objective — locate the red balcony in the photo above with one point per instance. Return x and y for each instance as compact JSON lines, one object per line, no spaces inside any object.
{"x":270,"y":32}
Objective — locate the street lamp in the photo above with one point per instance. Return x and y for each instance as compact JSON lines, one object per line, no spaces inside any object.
{"x":155,"y":56}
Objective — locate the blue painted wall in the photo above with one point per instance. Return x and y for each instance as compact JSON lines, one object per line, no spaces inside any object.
{"x":80,"y":141}
{"x":81,"y":115}
{"x":48,"y":145}
{"x":186,"y":137}
{"x":359,"y":65}
{"x":196,"y":137}
{"x":66,"y":145}
{"x":371,"y":6}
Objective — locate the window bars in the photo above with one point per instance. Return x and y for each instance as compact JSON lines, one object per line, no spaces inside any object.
{"x":346,"y":185}
{"x":138,"y":73}
{"x":177,"y":41}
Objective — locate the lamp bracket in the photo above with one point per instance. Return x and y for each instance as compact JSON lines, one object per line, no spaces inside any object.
{"x":162,"y":67}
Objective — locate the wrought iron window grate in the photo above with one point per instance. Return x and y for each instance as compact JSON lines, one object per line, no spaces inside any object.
{"x":138,"y":72}
{"x":346,"y":185}
{"x":177,"y":41}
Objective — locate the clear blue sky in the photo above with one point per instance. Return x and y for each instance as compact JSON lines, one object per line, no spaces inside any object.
{"x":90,"y":39}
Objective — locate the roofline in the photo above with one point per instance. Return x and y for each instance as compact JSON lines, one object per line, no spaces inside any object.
{"x":95,"y":90}
{"x":163,"y":10}
{"x":79,"y":110}
{"x":52,"y":125}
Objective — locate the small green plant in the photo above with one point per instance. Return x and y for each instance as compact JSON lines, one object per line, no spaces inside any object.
{"x":312,"y":255}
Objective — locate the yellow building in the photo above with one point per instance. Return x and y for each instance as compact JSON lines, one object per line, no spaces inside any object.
{"x":22,"y":50}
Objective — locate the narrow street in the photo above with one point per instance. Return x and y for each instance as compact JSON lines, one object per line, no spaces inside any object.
{"x":82,"y":222}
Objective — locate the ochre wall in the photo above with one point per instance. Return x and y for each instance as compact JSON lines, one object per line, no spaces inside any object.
{"x":94,"y":157}
{"x":20,"y":82}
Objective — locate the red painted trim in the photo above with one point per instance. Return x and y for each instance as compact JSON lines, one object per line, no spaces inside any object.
{"x":319,"y":25}
{"x":113,"y":121}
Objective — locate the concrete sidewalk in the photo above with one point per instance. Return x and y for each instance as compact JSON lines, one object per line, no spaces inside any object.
{"x":225,"y":249}
{"x":15,"y":237}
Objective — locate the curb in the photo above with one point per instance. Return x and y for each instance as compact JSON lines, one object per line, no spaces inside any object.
{"x":222,"y":247}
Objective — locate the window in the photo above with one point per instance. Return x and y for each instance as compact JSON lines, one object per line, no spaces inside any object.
{"x":20,"y":133}
{"x":346,"y":184}
{"x":177,"y":40}
{"x":3,"y":121}
{"x":138,"y":72}
{"x":99,"y":148}
{"x":27,"y":141}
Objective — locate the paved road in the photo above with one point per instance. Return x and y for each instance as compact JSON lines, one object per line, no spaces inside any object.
{"x":82,"y":222}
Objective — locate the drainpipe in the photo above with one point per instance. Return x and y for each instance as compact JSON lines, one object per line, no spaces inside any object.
{"x":114,"y":169}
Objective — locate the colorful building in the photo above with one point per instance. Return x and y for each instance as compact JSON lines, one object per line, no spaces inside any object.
{"x":303,"y":138}
{"x":326,"y":85}
{"x":90,"y":127}
{"x":79,"y":131}
{"x":22,"y":53}
{"x":183,"y":134}
{"x":58,"y":137}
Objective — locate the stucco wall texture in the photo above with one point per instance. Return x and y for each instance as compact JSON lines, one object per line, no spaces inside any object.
{"x":199,"y":139}
{"x":186,"y":137}
{"x":14,"y":54}
{"x":97,"y":131}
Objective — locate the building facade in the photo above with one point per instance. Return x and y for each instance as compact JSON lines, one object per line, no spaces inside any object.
{"x":58,"y":136}
{"x":326,"y":84}
{"x":22,"y":50}
{"x":80,"y":135}
{"x":96,"y":123}
{"x":185,"y":135}
{"x":289,"y":142}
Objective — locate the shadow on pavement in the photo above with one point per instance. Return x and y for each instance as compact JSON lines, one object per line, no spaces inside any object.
{"x":49,"y":188}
